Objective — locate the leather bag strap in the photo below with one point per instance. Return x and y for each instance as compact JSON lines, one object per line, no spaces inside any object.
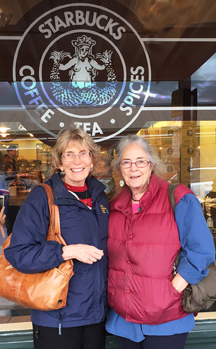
{"x":56,"y":220}
{"x":54,"y":231}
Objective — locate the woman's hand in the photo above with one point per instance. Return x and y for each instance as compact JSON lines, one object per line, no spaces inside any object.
{"x":179,"y":283}
{"x":2,"y":221}
{"x":83,"y":253}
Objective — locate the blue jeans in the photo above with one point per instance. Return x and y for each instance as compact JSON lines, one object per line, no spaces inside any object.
{"x":176,"y":341}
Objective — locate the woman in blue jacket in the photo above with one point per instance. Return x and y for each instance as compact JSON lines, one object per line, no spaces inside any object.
{"x":83,"y":208}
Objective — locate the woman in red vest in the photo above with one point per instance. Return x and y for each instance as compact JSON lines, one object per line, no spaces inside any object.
{"x":144,"y":240}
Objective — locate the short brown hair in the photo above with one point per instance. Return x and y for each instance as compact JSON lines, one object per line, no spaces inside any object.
{"x":77,"y":135}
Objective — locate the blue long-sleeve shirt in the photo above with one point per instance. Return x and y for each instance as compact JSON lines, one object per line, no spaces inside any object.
{"x":197,"y":253}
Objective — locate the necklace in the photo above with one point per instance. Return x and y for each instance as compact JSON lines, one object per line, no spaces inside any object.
{"x":141,"y":196}
{"x":134,"y":200}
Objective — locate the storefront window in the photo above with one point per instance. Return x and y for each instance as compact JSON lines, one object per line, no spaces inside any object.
{"x":149,"y":68}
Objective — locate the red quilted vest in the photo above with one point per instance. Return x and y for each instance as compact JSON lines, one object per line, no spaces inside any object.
{"x":141,"y":251}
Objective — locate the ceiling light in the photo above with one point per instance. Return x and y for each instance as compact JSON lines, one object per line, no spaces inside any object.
{"x":4,"y":19}
{"x":4,"y":129}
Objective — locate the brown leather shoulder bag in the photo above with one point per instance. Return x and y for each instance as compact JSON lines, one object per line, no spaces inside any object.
{"x":44,"y":291}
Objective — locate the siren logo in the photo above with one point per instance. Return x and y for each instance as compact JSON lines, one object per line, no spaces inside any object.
{"x":88,"y":68}
{"x":82,"y":88}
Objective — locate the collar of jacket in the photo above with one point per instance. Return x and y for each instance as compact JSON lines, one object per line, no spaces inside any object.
{"x":61,"y":193}
{"x":123,"y":200}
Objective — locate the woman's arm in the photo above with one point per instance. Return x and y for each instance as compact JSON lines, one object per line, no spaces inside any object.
{"x":29,"y":251}
{"x":84,"y":253}
{"x":198,"y":249}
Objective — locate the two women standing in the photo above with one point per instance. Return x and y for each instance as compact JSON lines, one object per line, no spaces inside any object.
{"x":144,"y":239}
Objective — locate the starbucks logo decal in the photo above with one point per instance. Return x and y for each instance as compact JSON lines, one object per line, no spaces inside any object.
{"x":89,"y":69}
{"x":83,"y":68}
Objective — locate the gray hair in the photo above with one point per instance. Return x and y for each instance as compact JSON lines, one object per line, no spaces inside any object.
{"x":134,"y":139}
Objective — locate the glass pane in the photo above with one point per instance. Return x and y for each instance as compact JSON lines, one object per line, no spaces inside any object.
{"x":148,"y":67}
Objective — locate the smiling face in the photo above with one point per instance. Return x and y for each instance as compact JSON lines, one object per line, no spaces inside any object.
{"x":76,"y":170}
{"x":136,"y":178}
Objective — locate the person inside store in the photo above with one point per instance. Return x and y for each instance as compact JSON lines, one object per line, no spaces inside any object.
{"x":4,"y":203}
{"x":4,"y":200}
{"x":8,"y":166}
{"x":83,"y":208}
{"x":209,"y":206}
{"x":1,"y":162}
{"x":12,"y":155}
{"x":144,"y":239}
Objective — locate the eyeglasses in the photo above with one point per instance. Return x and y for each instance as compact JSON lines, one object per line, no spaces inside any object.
{"x":139,"y":163}
{"x":83,"y":155}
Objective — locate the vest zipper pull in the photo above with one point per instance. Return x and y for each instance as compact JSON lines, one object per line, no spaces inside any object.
{"x":60,"y":324}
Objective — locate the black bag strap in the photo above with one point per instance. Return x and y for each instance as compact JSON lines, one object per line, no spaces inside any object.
{"x":171,"y":193}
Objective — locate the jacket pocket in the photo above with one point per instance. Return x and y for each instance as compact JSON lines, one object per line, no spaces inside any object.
{"x":149,"y":299}
{"x":174,"y":290}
